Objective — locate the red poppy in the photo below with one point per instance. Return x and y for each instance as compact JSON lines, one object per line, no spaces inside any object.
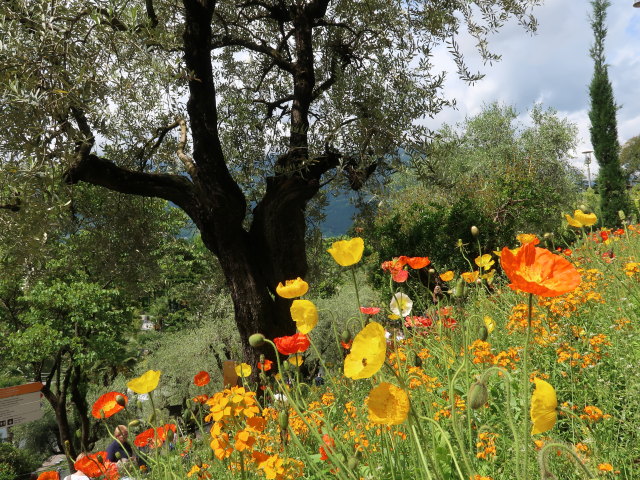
{"x":329,"y":443}
{"x":145,"y":438}
{"x":538,"y":271}
{"x":50,"y":475}
{"x":449,"y":322}
{"x":619,"y":231}
{"x":164,"y":431}
{"x":604,"y":235}
{"x":414,"y":262}
{"x":346,"y":345}
{"x":416,"y":321}
{"x":107,"y":405}
{"x":95,"y":465}
{"x":201,"y":379}
{"x":394,"y":267}
{"x":369,"y":310}
{"x":265,"y":366}
{"x":292,"y":344}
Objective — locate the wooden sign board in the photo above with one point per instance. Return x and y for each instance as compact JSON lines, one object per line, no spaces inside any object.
{"x":20,"y":404}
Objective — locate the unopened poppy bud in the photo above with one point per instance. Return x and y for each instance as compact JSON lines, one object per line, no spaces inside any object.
{"x":345,"y":336}
{"x":139,"y":404}
{"x":478,"y":395}
{"x":152,"y":418}
{"x":475,"y":231}
{"x":352,"y":463}
{"x":417,"y":361}
{"x":548,"y":235}
{"x":621,"y":215}
{"x":121,"y":401}
{"x":483,"y":333}
{"x":134,"y":423}
{"x":170,"y":435}
{"x":187,"y":402}
{"x":256,"y":340}
{"x":100,"y":459}
{"x":283,"y":420}
{"x":78,"y":433}
{"x":118,"y":455}
{"x":432,"y":271}
{"x":460,"y":289}
{"x":67,"y":446}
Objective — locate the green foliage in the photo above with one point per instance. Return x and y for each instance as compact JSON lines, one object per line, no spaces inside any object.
{"x":15,"y":461}
{"x":492,"y":172}
{"x":38,"y":437}
{"x":612,"y":182}
{"x":630,"y":158}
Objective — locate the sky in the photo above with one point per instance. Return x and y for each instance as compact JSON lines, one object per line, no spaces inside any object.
{"x":553,"y":67}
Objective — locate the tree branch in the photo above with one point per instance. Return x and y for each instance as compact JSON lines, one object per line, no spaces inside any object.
{"x":186,"y":159}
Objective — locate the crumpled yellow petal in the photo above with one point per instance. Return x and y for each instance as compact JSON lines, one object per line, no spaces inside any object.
{"x":543,"y":407}
{"x":388,"y":404}
{"x":368,"y":352}
{"x":305,"y":314}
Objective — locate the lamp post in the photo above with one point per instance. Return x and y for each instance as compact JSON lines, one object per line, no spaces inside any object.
{"x":587,"y":162}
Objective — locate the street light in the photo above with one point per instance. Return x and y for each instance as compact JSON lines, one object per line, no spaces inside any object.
{"x":587,"y":159}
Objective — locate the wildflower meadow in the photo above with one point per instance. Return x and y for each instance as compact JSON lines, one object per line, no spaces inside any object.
{"x":524,"y":366}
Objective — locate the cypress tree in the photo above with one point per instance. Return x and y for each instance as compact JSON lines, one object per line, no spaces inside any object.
{"x":604,"y":130}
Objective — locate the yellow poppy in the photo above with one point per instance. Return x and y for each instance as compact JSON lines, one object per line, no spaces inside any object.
{"x":581,"y":219}
{"x":489,"y":323}
{"x":489,"y":276}
{"x":305,"y":314}
{"x":368,"y":352}
{"x":296,"y":360}
{"x":145,"y":383}
{"x":243,"y":370}
{"x":525,"y":238}
{"x":347,"y":252}
{"x":543,"y":407}
{"x":388,"y":404}
{"x":484,"y":261}
{"x":446,"y":276}
{"x":292,"y":288}
{"x":470,"y":277}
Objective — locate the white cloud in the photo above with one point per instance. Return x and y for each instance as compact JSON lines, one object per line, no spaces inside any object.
{"x":554,"y":67}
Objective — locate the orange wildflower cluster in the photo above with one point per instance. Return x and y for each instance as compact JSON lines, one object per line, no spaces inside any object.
{"x":545,"y":330}
{"x":594,"y":414}
{"x":632,"y":269}
{"x":239,"y":426}
{"x":567,"y":353}
{"x":587,"y":291}
{"x":486,"y":445}
{"x":445,"y":412}
{"x":482,"y":354}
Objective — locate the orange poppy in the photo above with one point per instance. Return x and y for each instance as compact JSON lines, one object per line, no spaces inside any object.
{"x":296,"y":343}
{"x":200,"y":399}
{"x":108,"y":405}
{"x":50,"y":475}
{"x":163,"y":432}
{"x":414,"y":262}
{"x":201,"y":379}
{"x":329,"y":444}
{"x":145,"y":438}
{"x":538,"y":271}
{"x":95,"y":465}
{"x":265,"y":366}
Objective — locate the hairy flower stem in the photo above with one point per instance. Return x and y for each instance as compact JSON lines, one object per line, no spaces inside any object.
{"x":543,"y":461}
{"x":454,"y":421}
{"x":355,"y":285}
{"x":525,"y":390}
{"x":506,"y":377}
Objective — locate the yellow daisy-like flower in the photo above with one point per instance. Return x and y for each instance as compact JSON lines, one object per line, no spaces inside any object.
{"x":347,"y":252}
{"x":484,"y":261}
{"x":292,"y":288}
{"x":296,"y":360}
{"x":581,"y":219}
{"x":367,"y":354}
{"x":243,"y":370}
{"x":388,"y":404}
{"x":543,"y":407}
{"x":145,"y":383}
{"x":305,"y":314}
{"x":489,"y":323}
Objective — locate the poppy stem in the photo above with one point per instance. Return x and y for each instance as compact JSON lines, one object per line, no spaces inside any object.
{"x":355,"y":285}
{"x":543,"y":459}
{"x":525,"y":390}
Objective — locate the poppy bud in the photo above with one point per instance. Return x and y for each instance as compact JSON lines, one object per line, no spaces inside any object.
{"x":417,"y":361}
{"x":139,"y":404}
{"x":483,"y":333}
{"x":67,"y":446}
{"x":134,"y":423}
{"x":432,"y":271}
{"x":121,"y":401}
{"x":478,"y":395}
{"x":256,"y":340}
{"x":621,"y":215}
{"x":352,"y":463}
{"x":345,"y":336}
{"x":100,"y":459}
{"x":152,"y":418}
{"x":475,"y":231}
{"x":170,"y":435}
{"x":78,"y":434}
{"x":460,"y":289}
{"x":283,"y":420}
{"x":548,"y":235}
{"x":118,"y":455}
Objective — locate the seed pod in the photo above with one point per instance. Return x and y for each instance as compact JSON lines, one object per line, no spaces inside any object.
{"x":256,"y":340}
{"x":478,"y":395}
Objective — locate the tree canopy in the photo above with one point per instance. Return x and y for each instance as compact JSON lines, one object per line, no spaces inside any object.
{"x":236,"y":111}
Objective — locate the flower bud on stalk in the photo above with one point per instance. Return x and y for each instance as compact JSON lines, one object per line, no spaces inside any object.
{"x":475,"y":231}
{"x":134,"y":423}
{"x":478,"y":395}
{"x":283,"y":420}
{"x":483,"y":333}
{"x":121,"y":401}
{"x":345,"y":336}
{"x":256,"y":340}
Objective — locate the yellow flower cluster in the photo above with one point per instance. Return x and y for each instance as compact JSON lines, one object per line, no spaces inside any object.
{"x":486,"y":445}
